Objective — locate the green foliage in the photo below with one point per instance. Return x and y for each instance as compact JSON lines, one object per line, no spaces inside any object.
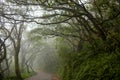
{"x":101,"y":67}
{"x":98,"y":60}
{"x":26,"y":75}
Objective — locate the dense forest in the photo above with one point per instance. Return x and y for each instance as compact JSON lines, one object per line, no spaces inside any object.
{"x":74,"y":39}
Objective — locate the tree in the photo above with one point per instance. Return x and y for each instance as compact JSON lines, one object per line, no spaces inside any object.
{"x":3,"y":40}
{"x":2,"y":57}
{"x":12,"y":19}
{"x":28,"y":53}
{"x":17,"y":43}
{"x":15,"y":38}
{"x":89,"y":16}
{"x":79,"y":12}
{"x":80,"y":20}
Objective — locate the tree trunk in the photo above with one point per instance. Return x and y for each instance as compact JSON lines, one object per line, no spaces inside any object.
{"x":27,"y":66}
{"x":17,"y":68}
{"x":1,"y":73}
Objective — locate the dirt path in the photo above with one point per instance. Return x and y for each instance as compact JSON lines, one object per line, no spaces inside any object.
{"x":40,"y":76}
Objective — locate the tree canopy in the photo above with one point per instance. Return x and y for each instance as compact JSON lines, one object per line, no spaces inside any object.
{"x":87,"y":33}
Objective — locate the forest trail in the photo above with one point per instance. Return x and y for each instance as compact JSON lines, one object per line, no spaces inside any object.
{"x":42,"y":76}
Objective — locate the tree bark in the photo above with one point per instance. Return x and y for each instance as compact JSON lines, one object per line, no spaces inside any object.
{"x":17,"y":68}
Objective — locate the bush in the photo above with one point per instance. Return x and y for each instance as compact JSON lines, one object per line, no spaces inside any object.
{"x":95,"y":62}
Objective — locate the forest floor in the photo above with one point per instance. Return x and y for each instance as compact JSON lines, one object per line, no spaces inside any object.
{"x":42,"y":76}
